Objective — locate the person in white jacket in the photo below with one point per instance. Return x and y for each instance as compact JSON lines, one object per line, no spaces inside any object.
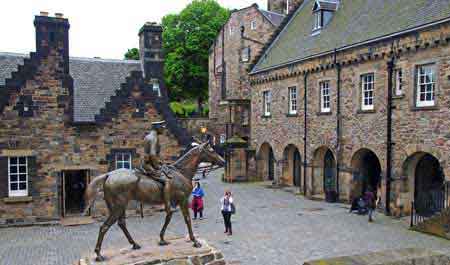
{"x":226,"y":206}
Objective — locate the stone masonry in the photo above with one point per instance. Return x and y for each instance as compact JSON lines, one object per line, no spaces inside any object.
{"x":37,"y":123}
{"x":415,"y":130}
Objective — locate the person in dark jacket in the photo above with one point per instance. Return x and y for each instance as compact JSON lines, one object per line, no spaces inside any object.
{"x":369,"y":198}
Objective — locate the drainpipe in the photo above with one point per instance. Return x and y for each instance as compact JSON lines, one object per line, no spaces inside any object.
{"x":389,"y":143}
{"x":338,"y":122}
{"x":305,"y":84}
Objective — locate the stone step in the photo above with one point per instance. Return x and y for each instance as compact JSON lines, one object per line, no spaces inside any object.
{"x":409,"y":256}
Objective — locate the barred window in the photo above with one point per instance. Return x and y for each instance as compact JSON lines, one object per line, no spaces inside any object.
{"x":426,"y":84}
{"x":18,"y":176}
{"x":367,"y":91}
{"x":292,"y":91}
{"x":325,"y":96}
{"x":123,"y":160}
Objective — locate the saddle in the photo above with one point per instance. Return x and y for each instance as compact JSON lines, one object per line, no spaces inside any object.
{"x":155,"y":174}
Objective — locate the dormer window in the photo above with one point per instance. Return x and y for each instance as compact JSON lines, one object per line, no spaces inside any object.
{"x":322,"y":13}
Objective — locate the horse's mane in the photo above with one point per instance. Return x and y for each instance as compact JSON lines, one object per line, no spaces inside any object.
{"x":179,"y":163}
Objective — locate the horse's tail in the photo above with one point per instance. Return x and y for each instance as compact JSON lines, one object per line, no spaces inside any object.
{"x":92,"y":190}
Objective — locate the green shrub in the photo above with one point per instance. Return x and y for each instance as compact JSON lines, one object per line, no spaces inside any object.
{"x":187,"y":109}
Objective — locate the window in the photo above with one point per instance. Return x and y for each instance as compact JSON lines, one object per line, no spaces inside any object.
{"x":367,"y":90}
{"x":426,"y":83}
{"x":317,"y":20}
{"x":245,"y":54}
{"x":267,"y":97}
{"x":18,"y":176}
{"x":398,"y":82}
{"x":156,"y":88}
{"x":123,"y":160}
{"x":253,"y":25}
{"x":325,"y":96}
{"x":222,"y":138}
{"x":230,"y":28}
{"x":292,"y":100}
{"x":287,"y":6}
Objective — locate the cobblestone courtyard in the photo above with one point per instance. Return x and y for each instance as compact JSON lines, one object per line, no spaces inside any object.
{"x":271,"y":227}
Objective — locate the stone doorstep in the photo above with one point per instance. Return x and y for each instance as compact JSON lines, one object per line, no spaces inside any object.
{"x":408,"y":256}
{"x":179,"y":252}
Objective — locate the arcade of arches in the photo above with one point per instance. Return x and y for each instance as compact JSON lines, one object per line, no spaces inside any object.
{"x":420,"y":178}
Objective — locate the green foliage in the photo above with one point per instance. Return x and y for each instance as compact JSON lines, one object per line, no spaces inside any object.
{"x":187,"y":38}
{"x":132,"y":54}
{"x":187,"y":109}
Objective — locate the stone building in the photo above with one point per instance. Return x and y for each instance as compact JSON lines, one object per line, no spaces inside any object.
{"x":241,"y":38}
{"x":354,"y":96}
{"x":64,"y":120}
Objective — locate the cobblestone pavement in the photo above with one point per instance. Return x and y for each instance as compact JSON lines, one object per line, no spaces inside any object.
{"x":271,"y":227}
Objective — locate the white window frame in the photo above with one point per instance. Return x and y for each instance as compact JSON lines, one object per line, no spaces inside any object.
{"x":222,"y":138}
{"x":325,"y":96}
{"x":253,"y":25}
{"x":156,"y":88}
{"x":245,"y":54}
{"x":292,"y":95}
{"x":19,"y":192}
{"x":367,"y":91}
{"x":399,"y":82}
{"x":317,"y":20}
{"x":431,"y":90}
{"x":231,"y":30}
{"x":287,"y":6}
{"x":120,"y":160}
{"x":267,"y":100}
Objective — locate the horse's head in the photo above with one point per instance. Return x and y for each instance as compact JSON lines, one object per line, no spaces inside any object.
{"x":207,"y":154}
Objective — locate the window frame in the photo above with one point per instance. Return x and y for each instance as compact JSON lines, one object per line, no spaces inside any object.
{"x":253,"y":25}
{"x":324,"y":109}
{"x":267,"y":103}
{"x":292,"y":101}
{"x":417,"y":91}
{"x":318,"y":20}
{"x":363,"y":82}
{"x":122,"y":160}
{"x":245,"y":51}
{"x":156,"y":88}
{"x":19,"y":192}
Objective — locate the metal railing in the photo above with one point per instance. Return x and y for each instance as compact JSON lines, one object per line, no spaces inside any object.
{"x":430,"y":204}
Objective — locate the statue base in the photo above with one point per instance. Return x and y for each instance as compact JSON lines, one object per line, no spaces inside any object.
{"x":178,"y":252}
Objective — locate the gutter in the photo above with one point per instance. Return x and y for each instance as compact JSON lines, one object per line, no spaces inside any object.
{"x":344,"y":48}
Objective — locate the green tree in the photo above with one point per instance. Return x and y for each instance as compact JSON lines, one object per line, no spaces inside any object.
{"x":187,"y":37}
{"x":132,"y":54}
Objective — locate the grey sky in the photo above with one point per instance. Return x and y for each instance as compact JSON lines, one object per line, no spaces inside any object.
{"x":103,"y":28}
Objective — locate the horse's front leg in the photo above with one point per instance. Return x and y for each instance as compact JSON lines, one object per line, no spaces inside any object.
{"x":187,"y":220}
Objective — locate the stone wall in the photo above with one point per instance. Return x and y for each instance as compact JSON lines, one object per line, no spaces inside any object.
{"x":415,"y":130}
{"x":280,"y":6}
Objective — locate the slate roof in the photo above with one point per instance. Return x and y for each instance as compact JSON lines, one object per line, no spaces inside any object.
{"x":355,"y":21}
{"x":95,"y":80}
{"x":273,"y":17}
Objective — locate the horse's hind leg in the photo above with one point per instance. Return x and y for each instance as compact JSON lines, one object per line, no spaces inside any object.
{"x":112,"y":218}
{"x":187,"y":220}
{"x":122,"y":224}
{"x":169,"y":213}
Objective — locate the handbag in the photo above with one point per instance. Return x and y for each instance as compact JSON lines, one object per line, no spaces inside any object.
{"x":233,"y":208}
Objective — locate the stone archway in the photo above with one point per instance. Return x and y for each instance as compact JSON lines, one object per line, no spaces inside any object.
{"x":292,"y":166}
{"x":266,"y":163}
{"x":366,"y":173}
{"x":323,"y":172}
{"x":426,"y":182}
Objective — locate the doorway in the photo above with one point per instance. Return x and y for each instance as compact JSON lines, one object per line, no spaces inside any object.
{"x":73,"y":186}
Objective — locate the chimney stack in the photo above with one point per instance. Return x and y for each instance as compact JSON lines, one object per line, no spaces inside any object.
{"x":52,"y":33}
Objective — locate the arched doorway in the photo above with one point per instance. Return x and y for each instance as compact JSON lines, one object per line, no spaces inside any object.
{"x":428,"y":181}
{"x":366,"y":173}
{"x":266,"y":162}
{"x":324,"y":174}
{"x":292,"y":165}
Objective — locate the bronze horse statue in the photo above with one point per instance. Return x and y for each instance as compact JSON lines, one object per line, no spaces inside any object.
{"x":122,"y":185}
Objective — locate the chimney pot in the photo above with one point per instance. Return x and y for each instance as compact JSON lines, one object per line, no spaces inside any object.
{"x":43,"y":13}
{"x":59,"y":15}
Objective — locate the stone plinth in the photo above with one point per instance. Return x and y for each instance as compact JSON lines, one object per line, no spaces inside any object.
{"x":178,"y":252}
{"x":409,"y":256}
